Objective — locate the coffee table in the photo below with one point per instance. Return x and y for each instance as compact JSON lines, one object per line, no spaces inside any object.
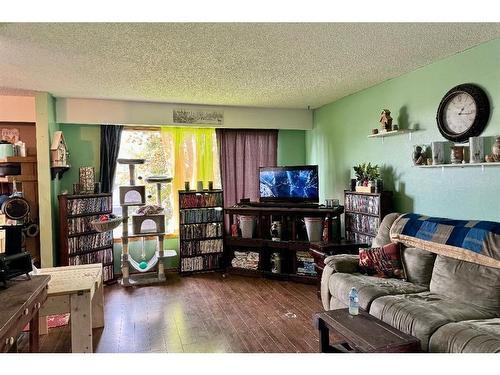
{"x":77,"y":290}
{"x":362,"y":333}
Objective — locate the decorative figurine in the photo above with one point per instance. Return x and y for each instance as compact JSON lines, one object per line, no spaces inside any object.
{"x":419,"y":156}
{"x":495,"y":149}
{"x":386,"y":120}
{"x":276,"y":231}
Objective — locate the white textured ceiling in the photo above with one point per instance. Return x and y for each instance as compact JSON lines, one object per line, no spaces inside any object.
{"x":246,"y":64}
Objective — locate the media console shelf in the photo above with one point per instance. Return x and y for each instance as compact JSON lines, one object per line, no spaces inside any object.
{"x":293,"y":238}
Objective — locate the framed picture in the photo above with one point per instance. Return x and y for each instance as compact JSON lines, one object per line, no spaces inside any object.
{"x":10,"y":135}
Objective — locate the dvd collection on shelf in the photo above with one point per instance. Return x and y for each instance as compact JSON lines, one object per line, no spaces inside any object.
{"x":104,"y":256}
{"x":199,"y":199}
{"x":79,"y":242}
{"x":201,"y":217}
{"x":362,"y":203}
{"x":305,"y":264}
{"x":81,"y":224}
{"x":201,"y":263}
{"x":78,"y":206}
{"x":190,"y":248}
{"x":362,"y":223}
{"x":196,"y":231}
{"x":358,"y":237}
{"x":89,"y":241}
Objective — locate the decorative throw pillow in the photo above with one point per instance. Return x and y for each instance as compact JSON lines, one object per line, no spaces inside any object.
{"x":382,"y":261}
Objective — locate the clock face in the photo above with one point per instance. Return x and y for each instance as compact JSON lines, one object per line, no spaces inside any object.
{"x":463,"y":112}
{"x":460,"y":113}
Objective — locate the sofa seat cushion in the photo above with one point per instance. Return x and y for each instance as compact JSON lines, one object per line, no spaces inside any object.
{"x":369,"y":287}
{"x":470,"y":336}
{"x":421,"y":314}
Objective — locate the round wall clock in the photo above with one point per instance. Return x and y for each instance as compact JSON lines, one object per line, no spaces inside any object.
{"x":463,"y":112}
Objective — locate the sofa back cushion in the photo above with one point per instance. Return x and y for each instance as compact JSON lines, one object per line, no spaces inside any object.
{"x":418,"y":265}
{"x":383,"y":235}
{"x":467,"y":282}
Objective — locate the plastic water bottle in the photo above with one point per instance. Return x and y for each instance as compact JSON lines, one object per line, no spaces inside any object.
{"x":353,"y":302}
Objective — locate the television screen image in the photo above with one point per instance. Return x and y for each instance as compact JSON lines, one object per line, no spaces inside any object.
{"x":298,"y":183}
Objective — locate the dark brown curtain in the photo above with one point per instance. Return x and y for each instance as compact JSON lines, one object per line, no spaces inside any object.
{"x":242,"y":152}
{"x":110,"y":146}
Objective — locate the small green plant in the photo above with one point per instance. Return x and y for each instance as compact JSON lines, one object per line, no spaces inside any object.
{"x":366,"y":172}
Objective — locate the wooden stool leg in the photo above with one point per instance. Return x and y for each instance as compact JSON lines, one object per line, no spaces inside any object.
{"x":81,"y":323}
{"x":43,"y":327}
{"x":98,"y":307}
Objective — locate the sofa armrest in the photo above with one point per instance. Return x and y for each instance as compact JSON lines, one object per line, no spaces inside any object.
{"x":343,"y":263}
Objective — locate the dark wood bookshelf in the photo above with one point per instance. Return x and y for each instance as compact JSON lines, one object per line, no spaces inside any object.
{"x":71,"y":250}
{"x":194,"y":203}
{"x":364,"y":213}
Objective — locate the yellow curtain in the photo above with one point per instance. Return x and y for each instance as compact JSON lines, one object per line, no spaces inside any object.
{"x":193,"y":152}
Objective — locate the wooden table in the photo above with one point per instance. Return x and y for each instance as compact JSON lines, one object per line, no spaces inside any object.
{"x":77,"y":290}
{"x":362,"y":333}
{"x":20,"y":304}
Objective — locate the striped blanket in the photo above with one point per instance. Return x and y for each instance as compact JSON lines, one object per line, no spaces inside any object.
{"x":470,"y":240}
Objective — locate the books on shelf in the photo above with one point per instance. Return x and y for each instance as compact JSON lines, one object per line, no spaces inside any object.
{"x":205,"y":230}
{"x":368,"y":204}
{"x":79,"y":242}
{"x":89,"y":242}
{"x":201,"y":217}
{"x":201,"y":263}
{"x":362,"y":223}
{"x":358,"y":237}
{"x":200,"y":199}
{"x":80,"y":206}
{"x":305,"y":264}
{"x":190,"y":248}
{"x":245,"y":259}
{"x":104,"y":256}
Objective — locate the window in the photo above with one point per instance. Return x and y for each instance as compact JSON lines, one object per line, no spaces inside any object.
{"x":186,"y":154}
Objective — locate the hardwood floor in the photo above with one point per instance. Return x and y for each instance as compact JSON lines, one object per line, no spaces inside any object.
{"x":204,"y":313}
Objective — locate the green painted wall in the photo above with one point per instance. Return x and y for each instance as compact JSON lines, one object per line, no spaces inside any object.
{"x":84,"y":146}
{"x":339,"y":138}
{"x":291,"y":147}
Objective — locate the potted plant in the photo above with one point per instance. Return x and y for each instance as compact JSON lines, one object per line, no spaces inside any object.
{"x":366,"y":175}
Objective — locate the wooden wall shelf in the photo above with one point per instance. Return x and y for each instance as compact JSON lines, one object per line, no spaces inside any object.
{"x":392,"y":133}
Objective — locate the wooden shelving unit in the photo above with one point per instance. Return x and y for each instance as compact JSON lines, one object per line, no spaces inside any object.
{"x":363,"y":214}
{"x":79,"y":243}
{"x":294,"y":239}
{"x":201,"y":228}
{"x":27,"y":183}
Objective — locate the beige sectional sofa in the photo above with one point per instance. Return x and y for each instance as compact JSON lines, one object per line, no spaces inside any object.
{"x":450,"y":305}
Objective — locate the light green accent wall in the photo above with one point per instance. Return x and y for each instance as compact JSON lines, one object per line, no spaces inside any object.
{"x":339,"y":138}
{"x":84,"y":142}
{"x":291,"y":147}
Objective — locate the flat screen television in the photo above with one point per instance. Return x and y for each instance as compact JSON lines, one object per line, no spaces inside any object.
{"x":289,"y":184}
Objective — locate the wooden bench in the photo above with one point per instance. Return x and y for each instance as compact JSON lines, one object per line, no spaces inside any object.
{"x":77,"y":290}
